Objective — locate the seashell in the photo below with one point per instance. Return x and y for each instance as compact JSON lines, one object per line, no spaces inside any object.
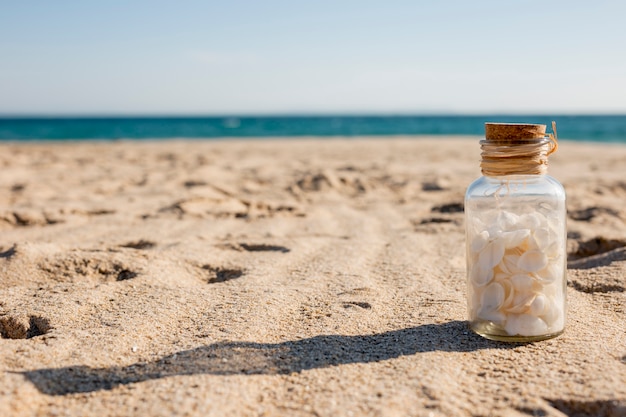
{"x":488,"y":216}
{"x":492,"y":297}
{"x":491,"y":315}
{"x":487,"y":222}
{"x":555,"y":223}
{"x":542,"y":238}
{"x":522,"y":282}
{"x":505,"y":271}
{"x":476,"y":225}
{"x":553,"y":250}
{"x":538,"y":306}
{"x":480,"y":241}
{"x":521,"y":303}
{"x":494,"y":231}
{"x":481,"y":277}
{"x":531,"y":221}
{"x":550,"y":273}
{"x":509,"y":293}
{"x":525,"y":325}
{"x":553,"y":313}
{"x":507,"y":221}
{"x":557,"y":325}
{"x":509,"y":264}
{"x":532,"y":261}
{"x":515,"y":238}
{"x":491,"y":255}
{"x":550,"y":290}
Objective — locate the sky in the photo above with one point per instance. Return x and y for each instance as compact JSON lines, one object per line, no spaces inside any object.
{"x":311,"y":57}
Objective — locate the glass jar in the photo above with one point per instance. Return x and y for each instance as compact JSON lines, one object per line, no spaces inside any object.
{"x":516,"y":239}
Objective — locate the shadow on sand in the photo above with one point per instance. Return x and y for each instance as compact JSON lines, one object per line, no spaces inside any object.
{"x":249,"y":358}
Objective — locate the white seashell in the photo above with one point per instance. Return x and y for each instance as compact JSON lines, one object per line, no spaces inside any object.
{"x":491,"y":255}
{"x":477,"y":225}
{"x":551,"y":290}
{"x":555,"y":222}
{"x":552,"y":272}
{"x":507,"y":221}
{"x":480,"y":241}
{"x":557,"y":321}
{"x":509,"y":264}
{"x":492,"y":297}
{"x":542,"y":238}
{"x":491,"y":315}
{"x":515,"y":238}
{"x":531,"y":221}
{"x":553,"y":313}
{"x":494,"y":231}
{"x":532,"y":261}
{"x":538,"y":306}
{"x":546,"y":208}
{"x":553,"y":250}
{"x":488,"y":222}
{"x":489,"y":216}
{"x":522,"y":282}
{"x":525,"y":325}
{"x":509,"y":293}
{"x":481,"y":277}
{"x":521,"y":303}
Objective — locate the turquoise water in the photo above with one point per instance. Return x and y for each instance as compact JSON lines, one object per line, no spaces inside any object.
{"x":607,"y":128}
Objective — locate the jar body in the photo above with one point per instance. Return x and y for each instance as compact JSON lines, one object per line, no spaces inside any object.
{"x":516,"y":257}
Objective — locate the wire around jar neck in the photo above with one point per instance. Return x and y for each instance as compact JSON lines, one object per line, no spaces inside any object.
{"x":517,"y":157}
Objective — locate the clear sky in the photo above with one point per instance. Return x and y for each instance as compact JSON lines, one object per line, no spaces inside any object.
{"x":266,"y":56}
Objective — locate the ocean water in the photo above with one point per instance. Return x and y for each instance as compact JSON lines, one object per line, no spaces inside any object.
{"x":596,"y":128}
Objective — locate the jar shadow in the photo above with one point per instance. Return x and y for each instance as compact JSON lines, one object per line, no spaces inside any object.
{"x":252,"y":358}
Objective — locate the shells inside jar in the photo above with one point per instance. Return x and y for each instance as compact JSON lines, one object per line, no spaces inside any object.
{"x":516,"y":267}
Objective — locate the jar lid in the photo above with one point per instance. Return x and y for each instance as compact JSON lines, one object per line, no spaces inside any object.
{"x":513,"y":131}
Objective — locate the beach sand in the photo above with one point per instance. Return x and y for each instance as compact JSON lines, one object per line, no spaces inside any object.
{"x":308,"y":277}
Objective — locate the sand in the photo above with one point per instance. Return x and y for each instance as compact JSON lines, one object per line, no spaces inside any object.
{"x":309,"y":277}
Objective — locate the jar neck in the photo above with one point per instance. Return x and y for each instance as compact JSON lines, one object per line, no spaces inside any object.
{"x":510,"y":158}
{"x":515,"y":177}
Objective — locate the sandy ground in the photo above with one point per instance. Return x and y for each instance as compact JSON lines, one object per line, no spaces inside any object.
{"x":287,"y":277}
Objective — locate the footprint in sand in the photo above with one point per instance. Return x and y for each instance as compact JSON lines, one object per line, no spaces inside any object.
{"x":98,"y":266}
{"x":16,"y":327}
{"x":348,"y":183}
{"x":595,"y":246}
{"x":357,"y":293}
{"x":450,"y":216}
{"x":202,"y":207}
{"x":254,"y":247}
{"x":221,"y":274}
{"x":431,"y":220}
{"x":436,"y":184}
{"x":449,"y":208}
{"x":359,"y":304}
{"x":591,"y":255}
{"x":597,"y":408}
{"x":590,"y":213}
{"x":28,"y":217}
{"x":139,"y":244}
{"x":436,"y":224}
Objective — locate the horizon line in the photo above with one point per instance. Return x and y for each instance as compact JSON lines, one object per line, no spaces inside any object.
{"x":175,"y":115}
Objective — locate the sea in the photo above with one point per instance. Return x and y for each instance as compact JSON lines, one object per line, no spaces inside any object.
{"x":589,"y":128}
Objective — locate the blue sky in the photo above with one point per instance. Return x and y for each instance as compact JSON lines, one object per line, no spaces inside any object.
{"x":264,"y":57}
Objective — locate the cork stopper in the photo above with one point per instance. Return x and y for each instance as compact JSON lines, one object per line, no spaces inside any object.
{"x":516,"y":149}
{"x":509,"y":132}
